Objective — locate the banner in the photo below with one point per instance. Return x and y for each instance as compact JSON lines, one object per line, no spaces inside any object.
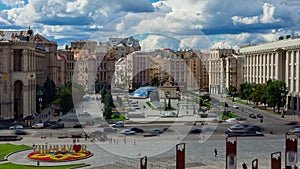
{"x":180,"y":156}
{"x":144,"y":162}
{"x":231,"y":160}
{"x":255,"y":164}
{"x":291,"y":150}
{"x":276,"y":160}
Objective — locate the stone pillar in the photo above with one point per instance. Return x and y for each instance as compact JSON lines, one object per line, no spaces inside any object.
{"x":297,"y":71}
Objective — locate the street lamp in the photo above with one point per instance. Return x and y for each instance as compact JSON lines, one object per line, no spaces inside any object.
{"x":40,"y":94}
{"x":282,"y":96}
{"x":233,"y":93}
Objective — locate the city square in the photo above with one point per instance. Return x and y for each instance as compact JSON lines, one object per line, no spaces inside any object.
{"x":156,"y":84}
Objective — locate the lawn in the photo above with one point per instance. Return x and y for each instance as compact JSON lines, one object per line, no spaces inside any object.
{"x":16,"y":166}
{"x":9,"y":148}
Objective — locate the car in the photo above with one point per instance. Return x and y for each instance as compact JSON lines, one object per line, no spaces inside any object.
{"x":58,"y":126}
{"x":20,"y":132}
{"x":231,"y":120}
{"x":169,"y":114}
{"x":16,"y":126}
{"x":103,"y":124}
{"x":118,"y":124}
{"x":137,"y":130}
{"x":295,"y":129}
{"x":77,"y":126}
{"x":48,"y":124}
{"x":195,"y":131}
{"x":127,"y":132}
{"x":38,"y":126}
{"x":158,"y":131}
{"x":235,"y":106}
{"x":238,"y":126}
{"x":110,"y":130}
{"x":253,"y":116}
{"x":259,"y":116}
{"x":254,"y":128}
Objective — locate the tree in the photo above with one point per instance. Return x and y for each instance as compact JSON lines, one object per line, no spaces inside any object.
{"x":274,"y":91}
{"x":107,"y":113}
{"x":155,"y":81}
{"x":103,"y":94}
{"x":109,"y":100}
{"x":66,"y":47}
{"x":258,"y":94}
{"x":245,"y":90}
{"x":49,"y":91}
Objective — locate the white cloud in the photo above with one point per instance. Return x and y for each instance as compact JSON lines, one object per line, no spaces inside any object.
{"x":221,"y":45}
{"x":13,"y":3}
{"x":266,"y":17}
{"x":162,"y":6}
{"x":268,"y":13}
{"x":76,"y":6}
{"x":158,"y":42}
{"x":244,"y":20}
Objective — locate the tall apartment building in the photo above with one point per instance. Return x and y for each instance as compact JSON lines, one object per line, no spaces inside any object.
{"x":65,"y":61}
{"x":138,"y":69}
{"x":25,"y":62}
{"x":123,"y":46}
{"x":219,"y":67}
{"x":279,"y":60}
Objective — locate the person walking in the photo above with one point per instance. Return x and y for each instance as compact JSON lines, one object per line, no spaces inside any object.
{"x":244,"y":166}
{"x":216,"y":152}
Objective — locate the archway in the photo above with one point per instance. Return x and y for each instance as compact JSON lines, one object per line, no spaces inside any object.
{"x":18,"y":100}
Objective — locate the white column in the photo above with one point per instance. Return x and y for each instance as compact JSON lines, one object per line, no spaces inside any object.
{"x":264,"y":66}
{"x":276,"y":66}
{"x":292,"y":88}
{"x":287,"y":73}
{"x":268,"y":66}
{"x":271,"y":66}
{"x":297,"y":71}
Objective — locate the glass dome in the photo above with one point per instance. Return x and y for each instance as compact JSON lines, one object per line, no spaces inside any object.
{"x":143,"y":92}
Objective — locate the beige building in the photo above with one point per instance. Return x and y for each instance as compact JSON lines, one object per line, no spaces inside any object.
{"x":277,"y":60}
{"x":65,"y":61}
{"x":25,"y":62}
{"x":221,"y":70}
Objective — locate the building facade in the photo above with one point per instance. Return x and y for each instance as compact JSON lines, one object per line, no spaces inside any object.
{"x":26,"y":60}
{"x":220,"y":70}
{"x":277,"y":60}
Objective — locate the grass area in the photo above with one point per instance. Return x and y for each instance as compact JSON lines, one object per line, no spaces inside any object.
{"x":17,"y":166}
{"x":241,"y":102}
{"x":9,"y":148}
{"x":227,"y":114}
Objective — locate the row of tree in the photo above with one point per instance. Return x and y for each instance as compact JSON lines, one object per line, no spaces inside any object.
{"x":272,"y":93}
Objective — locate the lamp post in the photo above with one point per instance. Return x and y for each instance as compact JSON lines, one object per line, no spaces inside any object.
{"x":282,"y":97}
{"x":233,"y":93}
{"x":40,"y":94}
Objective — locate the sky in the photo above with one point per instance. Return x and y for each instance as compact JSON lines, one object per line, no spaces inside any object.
{"x":177,"y":24}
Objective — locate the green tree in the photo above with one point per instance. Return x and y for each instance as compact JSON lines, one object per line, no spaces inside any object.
{"x":274,"y":90}
{"x":107,"y":112}
{"x":64,"y":99}
{"x":49,"y":91}
{"x":109,"y":100}
{"x":103,"y":94}
{"x":155,"y":81}
{"x":258,"y":93}
{"x":66,"y":47}
{"x":245,"y":90}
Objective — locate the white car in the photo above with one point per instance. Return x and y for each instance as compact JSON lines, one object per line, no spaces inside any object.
{"x":127,"y":132}
{"x":235,"y":106}
{"x":16,"y":126}
{"x":118,"y":124}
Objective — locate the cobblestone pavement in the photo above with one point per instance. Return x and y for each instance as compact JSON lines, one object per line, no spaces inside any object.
{"x":198,"y":155}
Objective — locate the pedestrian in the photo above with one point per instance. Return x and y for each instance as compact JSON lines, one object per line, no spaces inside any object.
{"x":216,"y":152}
{"x":244,"y":166}
{"x":134,"y":142}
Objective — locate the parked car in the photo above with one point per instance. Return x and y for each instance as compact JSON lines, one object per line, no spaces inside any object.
{"x":58,"y":126}
{"x":103,"y":124}
{"x":118,"y":124}
{"x":195,"y":131}
{"x":38,"y":126}
{"x":20,"y":132}
{"x":238,"y":126}
{"x":127,"y":132}
{"x":235,"y":106}
{"x":16,"y":126}
{"x":137,"y":130}
{"x":110,"y":130}
{"x":294,"y":129}
{"x":158,"y":131}
{"x":254,"y":128}
{"x":77,"y":126}
{"x":169,"y":114}
{"x":253,"y":116}
{"x":48,"y":124}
